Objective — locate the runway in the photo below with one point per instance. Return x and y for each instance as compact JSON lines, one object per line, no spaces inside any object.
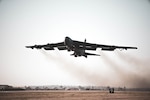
{"x":74,"y":95}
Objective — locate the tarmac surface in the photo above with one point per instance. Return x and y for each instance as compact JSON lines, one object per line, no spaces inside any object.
{"x":74,"y":95}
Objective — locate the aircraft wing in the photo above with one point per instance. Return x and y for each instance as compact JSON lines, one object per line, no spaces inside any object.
{"x":112,"y":47}
{"x":48,"y":46}
{"x":91,"y":46}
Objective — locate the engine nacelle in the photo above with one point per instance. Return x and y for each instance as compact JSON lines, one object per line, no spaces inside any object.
{"x":108,"y":49}
{"x":112,"y":48}
{"x":48,"y":48}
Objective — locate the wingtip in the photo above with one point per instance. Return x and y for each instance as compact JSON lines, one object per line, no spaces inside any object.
{"x":27,"y":46}
{"x":135,"y":48}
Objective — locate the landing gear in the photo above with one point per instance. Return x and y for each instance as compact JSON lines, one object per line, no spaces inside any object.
{"x":74,"y":55}
{"x":85,"y":56}
{"x":69,"y":50}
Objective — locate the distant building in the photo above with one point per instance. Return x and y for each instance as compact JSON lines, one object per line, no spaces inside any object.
{"x":5,"y":87}
{"x":10,"y":88}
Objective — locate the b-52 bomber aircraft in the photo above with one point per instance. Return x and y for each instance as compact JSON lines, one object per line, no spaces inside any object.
{"x":78,"y":47}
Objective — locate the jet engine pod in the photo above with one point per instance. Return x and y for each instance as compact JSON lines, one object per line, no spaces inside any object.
{"x":49,"y":48}
{"x":112,"y":48}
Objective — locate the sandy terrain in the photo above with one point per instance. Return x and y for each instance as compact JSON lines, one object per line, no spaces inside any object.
{"x":73,"y":95}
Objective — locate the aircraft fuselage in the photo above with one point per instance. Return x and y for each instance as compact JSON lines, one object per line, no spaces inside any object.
{"x":72,"y":47}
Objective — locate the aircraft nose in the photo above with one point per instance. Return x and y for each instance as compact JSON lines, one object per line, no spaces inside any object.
{"x":66,"y":37}
{"x":67,"y":40}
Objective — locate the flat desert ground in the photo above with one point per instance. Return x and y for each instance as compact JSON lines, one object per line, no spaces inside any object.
{"x":74,"y":95}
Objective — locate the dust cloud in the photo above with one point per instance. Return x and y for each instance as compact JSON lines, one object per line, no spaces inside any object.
{"x":133,"y":72}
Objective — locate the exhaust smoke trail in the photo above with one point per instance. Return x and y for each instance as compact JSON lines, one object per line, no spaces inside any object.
{"x":137,"y":77}
{"x":77,"y":71}
{"x":137,"y":63}
{"x":140,"y":66}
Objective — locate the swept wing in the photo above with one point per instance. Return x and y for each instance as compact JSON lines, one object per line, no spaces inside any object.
{"x":48,"y":46}
{"x":91,"y":46}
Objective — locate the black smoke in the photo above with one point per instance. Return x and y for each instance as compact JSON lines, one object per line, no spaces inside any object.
{"x":132,"y":72}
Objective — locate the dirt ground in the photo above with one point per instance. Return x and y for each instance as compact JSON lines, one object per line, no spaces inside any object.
{"x":73,"y":95}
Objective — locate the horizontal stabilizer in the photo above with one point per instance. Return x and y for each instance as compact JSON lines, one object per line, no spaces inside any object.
{"x":92,"y":54}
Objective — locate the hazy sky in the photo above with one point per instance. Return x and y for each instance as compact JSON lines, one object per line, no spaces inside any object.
{"x":113,"y":22}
